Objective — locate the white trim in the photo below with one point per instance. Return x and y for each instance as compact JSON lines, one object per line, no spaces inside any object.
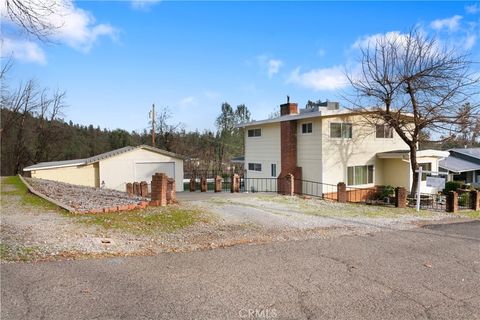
{"x":58,"y":166}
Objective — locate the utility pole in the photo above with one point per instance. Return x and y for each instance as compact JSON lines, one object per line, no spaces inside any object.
{"x":153,"y":116}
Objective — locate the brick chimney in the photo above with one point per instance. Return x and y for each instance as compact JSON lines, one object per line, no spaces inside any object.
{"x":288,"y":150}
{"x":288,"y":108}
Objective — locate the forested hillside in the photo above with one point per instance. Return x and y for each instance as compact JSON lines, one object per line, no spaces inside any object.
{"x":27,"y":139}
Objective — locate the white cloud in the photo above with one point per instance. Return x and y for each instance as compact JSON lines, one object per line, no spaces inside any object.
{"x":449,"y":23}
{"x":188,"y":102}
{"x":143,"y":4}
{"x":78,"y":28}
{"x":371,"y":40}
{"x":273,"y":67}
{"x":71,"y":25}
{"x":269,"y":65}
{"x":470,"y":41}
{"x":320,"y":79}
{"x":23,"y":50}
{"x":473,"y":9}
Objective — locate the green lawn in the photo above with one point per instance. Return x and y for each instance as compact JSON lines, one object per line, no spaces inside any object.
{"x":16,"y":187}
{"x":146,"y":221}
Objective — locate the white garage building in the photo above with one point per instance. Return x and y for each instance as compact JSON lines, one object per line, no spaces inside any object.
{"x":112,"y":170}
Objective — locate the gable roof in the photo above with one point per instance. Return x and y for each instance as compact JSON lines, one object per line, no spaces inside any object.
{"x":458,"y":165}
{"x":102,"y":156}
{"x":471,"y":152}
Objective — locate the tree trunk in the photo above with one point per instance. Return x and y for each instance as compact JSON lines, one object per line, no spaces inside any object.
{"x":414,"y":167}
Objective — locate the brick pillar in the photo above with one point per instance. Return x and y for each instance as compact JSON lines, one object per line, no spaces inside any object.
{"x":144,"y":189}
{"x":159,"y":189}
{"x":475,"y":200}
{"x":290,"y":184}
{"x":452,"y":202}
{"x":130,"y":189}
{"x":342,"y":192}
{"x":192,"y":184}
{"x":203,"y":184}
{"x":218,"y":184}
{"x":136,"y":189}
{"x":171,"y":191}
{"x":400,"y":197}
{"x":235,"y":183}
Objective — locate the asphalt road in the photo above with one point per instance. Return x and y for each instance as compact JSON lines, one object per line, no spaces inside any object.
{"x":426,"y":273}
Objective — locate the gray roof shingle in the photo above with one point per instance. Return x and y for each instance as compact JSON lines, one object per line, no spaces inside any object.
{"x":458,"y":165}
{"x":102,"y":156}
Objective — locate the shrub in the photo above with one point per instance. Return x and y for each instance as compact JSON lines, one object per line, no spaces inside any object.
{"x":464,"y":199}
{"x":387,"y":191}
{"x":452,"y":186}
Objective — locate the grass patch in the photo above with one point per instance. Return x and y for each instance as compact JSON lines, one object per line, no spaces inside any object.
{"x":148,"y":221}
{"x":325,"y":208}
{"x":470,"y":214}
{"x":17,"y":188}
{"x":18,"y":253}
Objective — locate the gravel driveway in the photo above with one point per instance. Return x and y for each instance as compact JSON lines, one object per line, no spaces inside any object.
{"x":33,"y":232}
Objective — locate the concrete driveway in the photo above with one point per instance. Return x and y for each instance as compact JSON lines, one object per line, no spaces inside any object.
{"x":422,"y":273}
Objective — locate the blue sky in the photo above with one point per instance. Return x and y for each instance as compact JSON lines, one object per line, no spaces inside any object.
{"x":116,"y":58}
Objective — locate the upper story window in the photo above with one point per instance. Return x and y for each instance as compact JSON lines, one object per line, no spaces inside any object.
{"x":341,"y":130}
{"x":255,"y":166}
{"x":254,"y":133}
{"x":307,"y":128}
{"x":383,"y":131}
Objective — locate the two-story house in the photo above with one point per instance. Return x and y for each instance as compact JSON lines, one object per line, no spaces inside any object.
{"x":330,"y":145}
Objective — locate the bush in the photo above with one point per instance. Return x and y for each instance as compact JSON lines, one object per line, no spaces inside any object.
{"x":387,"y":191}
{"x":452,"y":186}
{"x":464,"y":199}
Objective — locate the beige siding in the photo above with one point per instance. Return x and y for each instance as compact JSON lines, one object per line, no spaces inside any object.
{"x":264,"y":149}
{"x":118,"y":170}
{"x":338,"y":153}
{"x":309,"y":150}
{"x":87,"y":175}
{"x":395,"y":172}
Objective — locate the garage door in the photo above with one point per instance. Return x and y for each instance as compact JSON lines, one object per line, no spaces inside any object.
{"x":145,"y":170}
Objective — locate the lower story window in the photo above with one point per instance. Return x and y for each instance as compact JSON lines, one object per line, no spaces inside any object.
{"x":274,"y":170}
{"x":255,"y":166}
{"x":359,"y":175}
{"x":425,"y":167}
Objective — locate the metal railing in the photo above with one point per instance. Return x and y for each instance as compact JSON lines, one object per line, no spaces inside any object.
{"x":317,"y":189}
{"x":258,"y":184}
{"x":435,"y":202}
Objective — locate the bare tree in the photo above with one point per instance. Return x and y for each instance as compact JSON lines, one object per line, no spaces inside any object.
{"x":49,"y":110}
{"x":165,"y":131}
{"x":411,"y":83}
{"x":34,"y":16}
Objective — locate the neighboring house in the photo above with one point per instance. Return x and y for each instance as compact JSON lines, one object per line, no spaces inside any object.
{"x":463,"y":165}
{"x":112,"y":170}
{"x":329,"y":145}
